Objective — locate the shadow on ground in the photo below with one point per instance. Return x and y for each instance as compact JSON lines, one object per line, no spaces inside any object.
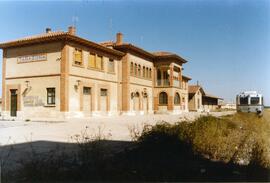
{"x":104,"y":160}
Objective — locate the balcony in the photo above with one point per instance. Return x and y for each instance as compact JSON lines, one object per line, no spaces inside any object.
{"x":163,"y":82}
{"x":176,"y":83}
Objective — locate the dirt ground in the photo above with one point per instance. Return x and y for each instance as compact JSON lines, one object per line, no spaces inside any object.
{"x":110,"y":128}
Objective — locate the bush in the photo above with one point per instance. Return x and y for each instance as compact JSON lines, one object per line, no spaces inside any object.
{"x":164,"y":152}
{"x":241,"y":139}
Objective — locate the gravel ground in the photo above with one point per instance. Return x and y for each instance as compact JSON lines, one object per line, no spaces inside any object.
{"x":19,"y":139}
{"x":112,"y":128}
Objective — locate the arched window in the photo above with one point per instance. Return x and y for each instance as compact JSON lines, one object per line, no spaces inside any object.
{"x":139,"y":70}
{"x":177,"y":99}
{"x":150,"y":74}
{"x":131,"y":68}
{"x":163,"y":98}
{"x":137,"y":94}
{"x":136,"y":71}
{"x":143,"y":71}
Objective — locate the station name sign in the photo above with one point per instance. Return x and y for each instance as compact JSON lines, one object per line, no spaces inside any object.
{"x":32,"y":58}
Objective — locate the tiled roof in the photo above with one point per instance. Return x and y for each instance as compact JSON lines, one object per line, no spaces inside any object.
{"x":39,"y":36}
{"x":107,"y":43}
{"x":212,"y":96}
{"x":159,"y":55}
{"x":162,"y":53}
{"x":58,"y":36}
{"x":168,"y":55}
{"x":193,"y":88}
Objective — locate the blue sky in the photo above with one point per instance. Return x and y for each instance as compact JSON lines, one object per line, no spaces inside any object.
{"x":226,"y":43}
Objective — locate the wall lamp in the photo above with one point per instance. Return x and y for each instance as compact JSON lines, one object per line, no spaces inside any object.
{"x":76,"y":86}
{"x":27,"y":84}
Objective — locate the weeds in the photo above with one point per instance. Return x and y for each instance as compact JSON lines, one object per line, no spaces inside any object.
{"x":202,"y":150}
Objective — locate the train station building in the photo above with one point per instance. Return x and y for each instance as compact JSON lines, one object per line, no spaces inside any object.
{"x":59,"y":74}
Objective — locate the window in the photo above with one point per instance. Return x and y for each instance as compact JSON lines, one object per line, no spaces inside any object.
{"x":103,"y":92}
{"x":254,"y":100}
{"x":243,"y":100}
{"x":143,"y":71}
{"x":92,"y":60}
{"x":150,"y":73}
{"x":99,"y":62}
{"x":165,"y":75}
{"x":51,"y":96}
{"x":78,"y":56}
{"x":139,"y":70}
{"x":86,"y":90}
{"x":131,"y":68}
{"x":177,"y":98}
{"x":166,"y":80}
{"x":158,"y":77}
{"x":163,"y":98}
{"x":135,"y":71}
{"x":111,"y":65}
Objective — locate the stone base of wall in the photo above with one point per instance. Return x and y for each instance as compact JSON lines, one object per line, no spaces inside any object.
{"x":62,"y":116}
{"x":134,"y":113}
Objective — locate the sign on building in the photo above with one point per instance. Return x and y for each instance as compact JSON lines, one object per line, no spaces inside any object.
{"x":32,"y":58}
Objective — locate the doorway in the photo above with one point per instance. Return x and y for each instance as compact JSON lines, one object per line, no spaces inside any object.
{"x":145,"y":104}
{"x":87,"y":102}
{"x":13,"y":102}
{"x":103,"y":100}
{"x":136,"y":102}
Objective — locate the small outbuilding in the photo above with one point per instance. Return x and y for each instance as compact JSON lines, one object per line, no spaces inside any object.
{"x":199,"y":100}
{"x":195,"y":93}
{"x":210,"y":102}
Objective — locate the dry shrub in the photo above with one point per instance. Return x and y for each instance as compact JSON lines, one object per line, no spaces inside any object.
{"x":241,"y":138}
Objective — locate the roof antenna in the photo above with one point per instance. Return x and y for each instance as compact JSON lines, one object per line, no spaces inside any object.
{"x":141,"y":39}
{"x":110,"y":29}
{"x":75,"y":19}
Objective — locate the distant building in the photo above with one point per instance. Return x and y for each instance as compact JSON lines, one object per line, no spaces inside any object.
{"x":200,"y":101}
{"x":59,"y":74}
{"x":228,"y":106}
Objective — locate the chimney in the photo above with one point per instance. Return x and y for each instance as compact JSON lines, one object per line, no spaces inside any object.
{"x":48,"y":30}
{"x":119,"y":38}
{"x":72,"y":30}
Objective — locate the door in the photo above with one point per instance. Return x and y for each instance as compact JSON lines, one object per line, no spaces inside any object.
{"x":13,"y":102}
{"x":87,"y":99}
{"x":136,"y":102}
{"x":145,"y":106}
{"x":103,"y":100}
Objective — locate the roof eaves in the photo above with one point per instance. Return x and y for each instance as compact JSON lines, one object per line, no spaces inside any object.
{"x":58,"y":36}
{"x":187,"y":78}
{"x":32,"y":40}
{"x":95,"y":45}
{"x":128,"y":46}
{"x":212,"y":96}
{"x":173,"y":56}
